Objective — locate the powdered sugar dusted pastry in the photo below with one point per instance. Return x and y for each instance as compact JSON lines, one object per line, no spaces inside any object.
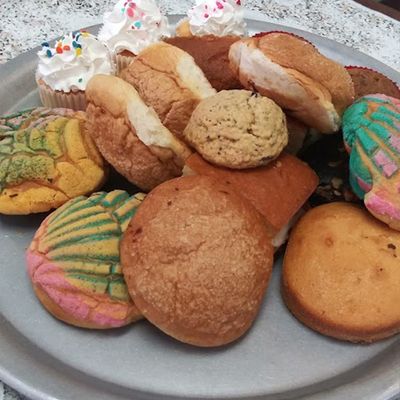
{"x":371,"y":129}
{"x":237,"y":129}
{"x":73,"y":261}
{"x":168,"y":80}
{"x":291,"y":71}
{"x":130,"y":135}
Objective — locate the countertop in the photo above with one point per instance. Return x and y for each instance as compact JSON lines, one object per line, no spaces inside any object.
{"x":27,"y":23}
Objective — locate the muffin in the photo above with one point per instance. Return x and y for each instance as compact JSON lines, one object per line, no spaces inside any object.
{"x":130,"y":27}
{"x":213,"y":17}
{"x":43,"y":155}
{"x":237,"y":129}
{"x":64,"y":70}
{"x":74,"y":263}
{"x":197,"y":259}
{"x":341,"y":274}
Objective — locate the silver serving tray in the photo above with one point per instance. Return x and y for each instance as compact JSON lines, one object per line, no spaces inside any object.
{"x":279,"y":358}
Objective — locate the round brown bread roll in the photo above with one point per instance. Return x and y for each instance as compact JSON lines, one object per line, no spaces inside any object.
{"x":197,"y":259}
{"x":130,"y":135}
{"x":168,"y":80}
{"x":341,"y":274}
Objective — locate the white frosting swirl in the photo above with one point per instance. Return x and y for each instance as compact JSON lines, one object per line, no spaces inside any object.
{"x":73,"y":61}
{"x":217,"y":17}
{"x":133,"y":25}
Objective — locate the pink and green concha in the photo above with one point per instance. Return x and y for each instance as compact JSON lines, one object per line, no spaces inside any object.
{"x":74,"y":263}
{"x":371,"y":131}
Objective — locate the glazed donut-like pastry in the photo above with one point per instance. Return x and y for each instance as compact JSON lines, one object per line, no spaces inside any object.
{"x":73,"y":261}
{"x":371,"y":129}
{"x":42,"y":155}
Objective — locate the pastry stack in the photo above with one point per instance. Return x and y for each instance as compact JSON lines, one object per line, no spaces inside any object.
{"x":207,"y":123}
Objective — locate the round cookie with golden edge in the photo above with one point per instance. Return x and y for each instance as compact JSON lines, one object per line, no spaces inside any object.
{"x":237,"y":129}
{"x":341,"y":274}
{"x":168,"y":80}
{"x":47,"y":157}
{"x":130,"y":135}
{"x":74,"y":262}
{"x":197,"y":259}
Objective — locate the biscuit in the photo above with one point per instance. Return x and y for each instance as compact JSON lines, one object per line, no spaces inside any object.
{"x":130,"y":135}
{"x":42,"y":155}
{"x":168,"y":80}
{"x":73,"y":261}
{"x":237,"y":129}
{"x":197,"y":259}
{"x":341,"y":274}
{"x":371,"y":132}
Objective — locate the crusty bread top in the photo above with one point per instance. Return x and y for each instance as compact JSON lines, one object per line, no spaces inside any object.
{"x":277,"y":190}
{"x":197,"y":259}
{"x":291,"y":52}
{"x":120,"y":98}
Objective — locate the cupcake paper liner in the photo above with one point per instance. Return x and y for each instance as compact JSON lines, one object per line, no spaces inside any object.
{"x":122,"y":62}
{"x":75,"y":99}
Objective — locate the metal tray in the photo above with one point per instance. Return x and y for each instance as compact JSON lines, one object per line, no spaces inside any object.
{"x":278,"y":359}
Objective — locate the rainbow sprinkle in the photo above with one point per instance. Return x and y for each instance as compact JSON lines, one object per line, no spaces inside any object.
{"x":49,"y":54}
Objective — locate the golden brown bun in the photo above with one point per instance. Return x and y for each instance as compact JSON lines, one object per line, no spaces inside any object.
{"x":341,"y":274}
{"x":211,"y":54}
{"x":291,"y":71}
{"x":277,"y":190}
{"x":56,"y":311}
{"x":116,"y":117}
{"x":169,"y":81}
{"x":197,"y":259}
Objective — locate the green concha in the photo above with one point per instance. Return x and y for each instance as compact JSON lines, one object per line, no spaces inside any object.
{"x":82,"y":237}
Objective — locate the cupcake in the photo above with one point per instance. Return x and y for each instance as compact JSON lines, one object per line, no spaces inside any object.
{"x":130,"y":27}
{"x":64,"y":70}
{"x":213,"y":17}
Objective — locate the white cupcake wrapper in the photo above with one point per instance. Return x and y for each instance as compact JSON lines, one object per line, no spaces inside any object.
{"x":122,"y":62}
{"x":75,"y":100}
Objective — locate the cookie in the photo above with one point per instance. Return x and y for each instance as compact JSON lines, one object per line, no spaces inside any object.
{"x":197,"y":259}
{"x":74,"y":263}
{"x":367,"y":81}
{"x":341,"y":274}
{"x":130,"y":135}
{"x":42,"y":155}
{"x":237,"y":129}
{"x":371,"y":131}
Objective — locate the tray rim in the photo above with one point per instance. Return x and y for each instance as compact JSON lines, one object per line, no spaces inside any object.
{"x":393,"y":384}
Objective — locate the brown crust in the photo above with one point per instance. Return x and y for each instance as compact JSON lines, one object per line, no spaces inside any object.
{"x":367,"y":81}
{"x":197,"y":259}
{"x":211,"y":55}
{"x":277,"y":190}
{"x":341,"y":276}
{"x":56,"y":311}
{"x":295,"y":53}
{"x":154,"y":74}
{"x":116,"y":138}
